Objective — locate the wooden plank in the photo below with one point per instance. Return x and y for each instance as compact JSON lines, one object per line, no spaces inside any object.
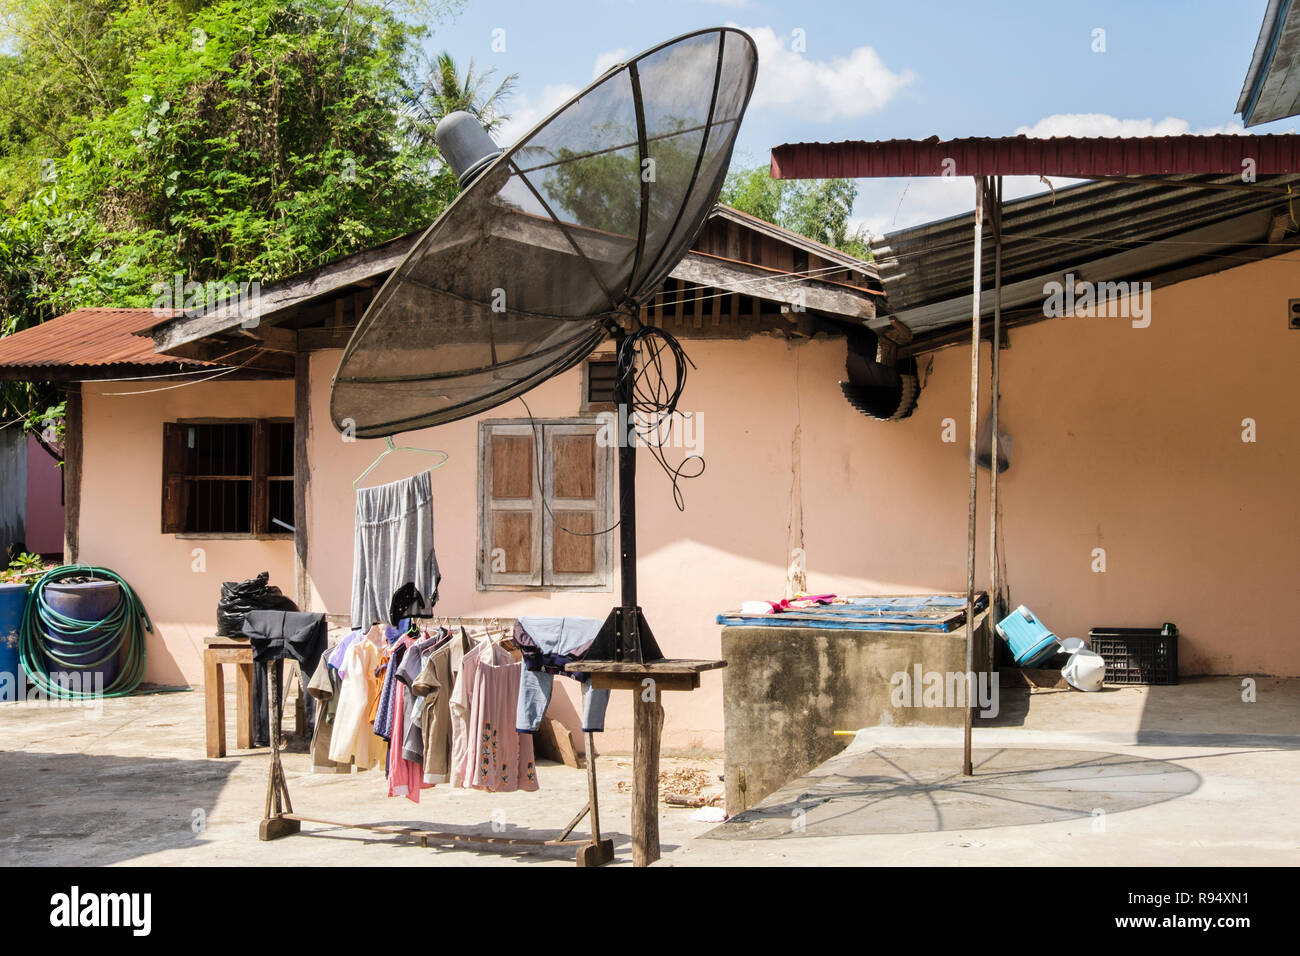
{"x":243,"y":702}
{"x":649,"y":669}
{"x":636,"y":682}
{"x":214,"y":706}
{"x":647,"y":725}
{"x":279,"y":296}
{"x":512,"y":466}
{"x":260,"y":497}
{"x":819,"y":295}
{"x":301,"y":479}
{"x":575,"y":466}
{"x":574,"y":543}
{"x":554,"y":742}
{"x":512,"y":534}
{"x":73,"y":445}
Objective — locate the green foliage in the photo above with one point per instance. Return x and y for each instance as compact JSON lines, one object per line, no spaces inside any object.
{"x":817,"y":208}
{"x":226,"y":141}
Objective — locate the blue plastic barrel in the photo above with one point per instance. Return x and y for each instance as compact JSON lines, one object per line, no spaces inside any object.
{"x":91,"y":652}
{"x":13,"y":598}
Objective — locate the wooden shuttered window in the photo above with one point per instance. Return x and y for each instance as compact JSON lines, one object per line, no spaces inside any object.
{"x":544,"y":501}
{"x":175,"y":489}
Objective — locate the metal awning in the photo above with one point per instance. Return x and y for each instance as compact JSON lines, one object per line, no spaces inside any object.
{"x":1073,"y":157}
{"x":1097,"y":232}
{"x":1271,"y":90}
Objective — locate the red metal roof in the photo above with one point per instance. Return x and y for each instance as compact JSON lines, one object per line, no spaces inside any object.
{"x":87,"y":338}
{"x":1070,"y":156}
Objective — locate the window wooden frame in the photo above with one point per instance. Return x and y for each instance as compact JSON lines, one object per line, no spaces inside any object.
{"x":177,"y":485}
{"x":595,"y":509}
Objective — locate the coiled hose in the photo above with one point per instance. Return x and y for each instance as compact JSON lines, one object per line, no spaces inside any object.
{"x":43,"y":637}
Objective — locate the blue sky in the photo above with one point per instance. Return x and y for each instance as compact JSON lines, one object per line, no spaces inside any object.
{"x":907,"y":68}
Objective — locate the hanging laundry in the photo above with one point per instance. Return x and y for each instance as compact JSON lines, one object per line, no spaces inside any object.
{"x":549,"y":645}
{"x":492,"y":755}
{"x":354,"y":738}
{"x":324,"y":687}
{"x":434,"y":685}
{"x":393,"y":560}
{"x":276,"y":635}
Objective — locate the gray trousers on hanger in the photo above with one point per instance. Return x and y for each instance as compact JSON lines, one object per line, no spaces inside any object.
{"x":393,"y":549}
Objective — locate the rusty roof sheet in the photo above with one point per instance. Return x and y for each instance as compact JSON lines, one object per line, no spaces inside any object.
{"x":1075,"y":157}
{"x":89,"y":338}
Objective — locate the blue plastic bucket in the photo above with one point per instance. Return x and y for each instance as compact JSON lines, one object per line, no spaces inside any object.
{"x":84,"y":655}
{"x":1030,"y":641}
{"x":13,"y":598}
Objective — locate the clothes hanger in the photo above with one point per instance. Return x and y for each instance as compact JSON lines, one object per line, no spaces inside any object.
{"x":392,"y":448}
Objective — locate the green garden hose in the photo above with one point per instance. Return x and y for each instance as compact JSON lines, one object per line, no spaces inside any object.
{"x":44,"y":632}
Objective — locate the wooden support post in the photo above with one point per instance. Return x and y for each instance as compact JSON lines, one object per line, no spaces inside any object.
{"x":301,"y":477}
{"x":214,"y":705}
{"x":995,"y":370}
{"x":277,"y":822}
{"x":647,"y":725}
{"x":598,"y":852}
{"x":243,"y":704}
{"x":72,"y":456}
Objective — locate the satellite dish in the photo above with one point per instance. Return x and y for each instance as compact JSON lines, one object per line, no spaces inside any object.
{"x":551,"y":241}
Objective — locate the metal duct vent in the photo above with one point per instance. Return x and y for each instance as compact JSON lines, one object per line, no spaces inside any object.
{"x":878,"y":391}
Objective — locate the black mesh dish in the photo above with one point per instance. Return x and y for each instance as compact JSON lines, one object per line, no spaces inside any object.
{"x":584,"y":218}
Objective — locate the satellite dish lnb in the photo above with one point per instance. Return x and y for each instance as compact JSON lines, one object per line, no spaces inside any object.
{"x":465,"y":145}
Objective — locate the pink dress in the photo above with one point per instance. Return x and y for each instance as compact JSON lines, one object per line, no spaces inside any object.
{"x":405,"y":777}
{"x":494,"y":756}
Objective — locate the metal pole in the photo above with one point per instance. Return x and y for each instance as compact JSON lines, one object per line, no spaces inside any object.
{"x":974,"y":480}
{"x":629,"y":645}
{"x":996,"y":215}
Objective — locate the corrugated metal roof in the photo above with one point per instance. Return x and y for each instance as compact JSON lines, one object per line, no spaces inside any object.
{"x":1073,"y":157}
{"x":1271,"y":90}
{"x":1100,"y":232}
{"x":86,"y":338}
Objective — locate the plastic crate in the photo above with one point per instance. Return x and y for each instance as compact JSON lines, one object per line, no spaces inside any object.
{"x":1137,"y":655}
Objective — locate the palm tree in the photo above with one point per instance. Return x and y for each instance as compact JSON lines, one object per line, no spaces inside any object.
{"x":445,"y":90}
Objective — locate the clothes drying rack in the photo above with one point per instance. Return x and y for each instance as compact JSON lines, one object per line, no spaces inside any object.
{"x":280,"y":819}
{"x":625,"y":656}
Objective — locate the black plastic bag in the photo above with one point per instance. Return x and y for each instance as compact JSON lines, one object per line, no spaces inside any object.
{"x":238,"y":598}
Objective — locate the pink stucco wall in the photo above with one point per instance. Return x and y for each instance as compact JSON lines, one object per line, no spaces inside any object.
{"x":1125,"y":439}
{"x":44,"y":500}
{"x":178,"y":579}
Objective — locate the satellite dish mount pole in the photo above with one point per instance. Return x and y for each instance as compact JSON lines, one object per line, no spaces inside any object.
{"x":632,"y":641}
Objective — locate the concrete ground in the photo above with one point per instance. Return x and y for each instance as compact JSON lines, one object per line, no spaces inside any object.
{"x":1191,"y":774}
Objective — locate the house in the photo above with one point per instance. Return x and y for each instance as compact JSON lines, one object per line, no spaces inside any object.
{"x":1150,"y":478}
{"x":182,"y":482}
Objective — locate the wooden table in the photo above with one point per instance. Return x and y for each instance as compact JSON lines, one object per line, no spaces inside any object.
{"x":645,"y":681}
{"x":218,"y":651}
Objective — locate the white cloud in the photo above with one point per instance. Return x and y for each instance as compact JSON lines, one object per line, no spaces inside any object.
{"x":842,"y":86}
{"x":1103,"y":124}
{"x":609,"y":58}
{"x":887,"y":205}
{"x":527,"y":111}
